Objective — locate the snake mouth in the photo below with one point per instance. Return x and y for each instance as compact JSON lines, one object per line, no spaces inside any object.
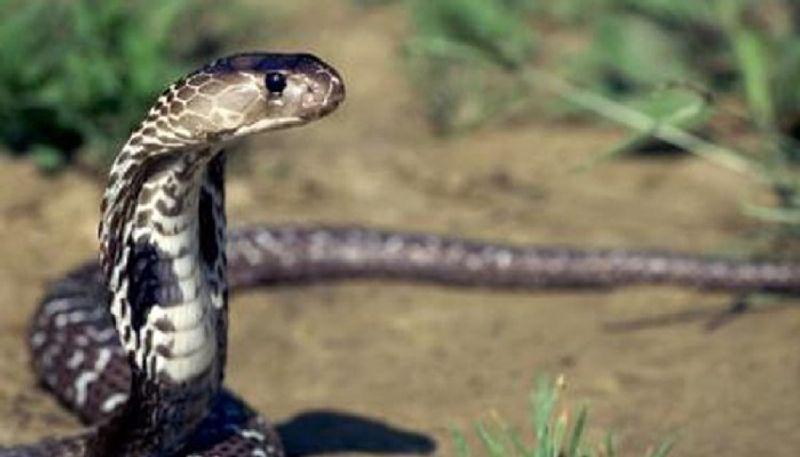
{"x":334,"y":97}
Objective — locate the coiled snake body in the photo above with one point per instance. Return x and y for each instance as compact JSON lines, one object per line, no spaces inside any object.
{"x":136,"y":345}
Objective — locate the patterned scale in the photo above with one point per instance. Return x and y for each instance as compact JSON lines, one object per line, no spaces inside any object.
{"x":78,"y":356}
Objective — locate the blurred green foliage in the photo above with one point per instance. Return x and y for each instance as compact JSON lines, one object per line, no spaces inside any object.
{"x":464,"y":54}
{"x":368,"y":3}
{"x":78,"y":75}
{"x":473,"y":55}
{"x":658,"y":67}
{"x":746,"y":50}
{"x":554,"y":434}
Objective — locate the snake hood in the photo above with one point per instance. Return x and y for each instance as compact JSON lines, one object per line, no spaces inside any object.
{"x":230,"y":98}
{"x":162,"y":235}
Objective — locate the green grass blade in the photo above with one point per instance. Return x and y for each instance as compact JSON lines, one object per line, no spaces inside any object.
{"x":494,"y":445}
{"x":576,"y":437}
{"x":663,"y":449}
{"x":460,"y":443}
{"x":609,"y":447}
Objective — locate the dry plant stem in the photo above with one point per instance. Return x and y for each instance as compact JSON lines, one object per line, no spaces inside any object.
{"x":640,"y":122}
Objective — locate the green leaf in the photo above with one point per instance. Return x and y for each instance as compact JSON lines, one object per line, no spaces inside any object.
{"x":663,"y":449}
{"x":460,"y":442}
{"x":490,"y":27}
{"x":681,"y":109}
{"x":559,"y":432}
{"x":670,"y":9}
{"x":576,"y":437}
{"x":754,"y":59}
{"x":609,"y":447}
{"x":48,"y":159}
{"x":492,"y":444}
{"x":635,"y":49}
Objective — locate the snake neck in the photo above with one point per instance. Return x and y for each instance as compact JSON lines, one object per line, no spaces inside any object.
{"x":163,"y":253}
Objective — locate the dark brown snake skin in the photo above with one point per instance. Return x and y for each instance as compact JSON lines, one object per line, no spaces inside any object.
{"x":77,"y":352}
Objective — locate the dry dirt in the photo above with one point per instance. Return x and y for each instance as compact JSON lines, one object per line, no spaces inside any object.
{"x":421,"y":359}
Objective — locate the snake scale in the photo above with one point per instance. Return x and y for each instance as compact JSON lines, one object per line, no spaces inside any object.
{"x":136,"y":344}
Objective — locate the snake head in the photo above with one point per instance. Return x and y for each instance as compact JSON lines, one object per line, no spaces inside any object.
{"x":249,"y":93}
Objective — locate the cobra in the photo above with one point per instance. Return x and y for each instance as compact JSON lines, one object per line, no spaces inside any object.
{"x":162,"y":280}
{"x":136,"y":345}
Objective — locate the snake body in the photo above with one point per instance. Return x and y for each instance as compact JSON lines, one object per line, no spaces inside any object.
{"x":136,"y":345}
{"x":153,"y":319}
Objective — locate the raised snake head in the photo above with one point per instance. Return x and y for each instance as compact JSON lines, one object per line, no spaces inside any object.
{"x":230,"y":98}
{"x":244,"y":94}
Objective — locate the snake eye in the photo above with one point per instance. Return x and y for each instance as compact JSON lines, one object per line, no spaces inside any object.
{"x":275,"y":82}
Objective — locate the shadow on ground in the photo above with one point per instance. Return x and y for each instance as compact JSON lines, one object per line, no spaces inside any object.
{"x":325,"y":432}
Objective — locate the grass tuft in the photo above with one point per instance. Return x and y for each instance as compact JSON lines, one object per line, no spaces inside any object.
{"x":553,"y":433}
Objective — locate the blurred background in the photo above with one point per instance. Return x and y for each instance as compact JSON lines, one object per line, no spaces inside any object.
{"x":611,"y":123}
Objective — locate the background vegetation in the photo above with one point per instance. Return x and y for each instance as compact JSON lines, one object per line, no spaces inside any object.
{"x":556,"y":431}
{"x":704,"y":77}
{"x":78,"y":75}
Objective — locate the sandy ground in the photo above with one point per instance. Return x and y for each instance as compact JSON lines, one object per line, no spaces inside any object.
{"x":396,"y":365}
